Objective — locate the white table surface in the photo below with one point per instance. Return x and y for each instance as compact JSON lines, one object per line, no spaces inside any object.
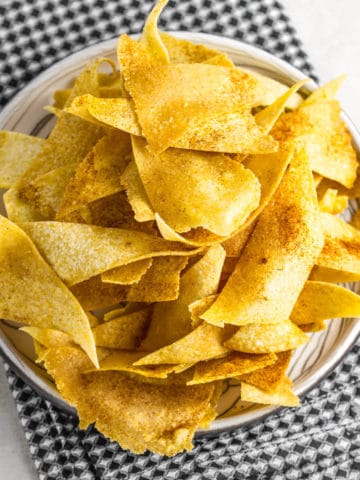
{"x":329,"y":30}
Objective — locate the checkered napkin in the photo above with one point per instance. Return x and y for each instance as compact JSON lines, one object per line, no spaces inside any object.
{"x":320,"y":440}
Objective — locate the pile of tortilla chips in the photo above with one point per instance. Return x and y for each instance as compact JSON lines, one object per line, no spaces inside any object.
{"x":177,"y":229}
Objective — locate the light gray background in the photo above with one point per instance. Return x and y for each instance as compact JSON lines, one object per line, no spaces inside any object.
{"x":329,"y":30}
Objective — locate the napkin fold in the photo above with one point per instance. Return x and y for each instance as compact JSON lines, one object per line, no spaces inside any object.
{"x":319,"y":440}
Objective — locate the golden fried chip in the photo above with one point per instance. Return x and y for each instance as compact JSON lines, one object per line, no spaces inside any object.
{"x":339,"y":260}
{"x":327,"y":91}
{"x":168,"y":97}
{"x":160,"y":283}
{"x":98,"y":175}
{"x":48,"y":337}
{"x":17,"y":150}
{"x":318,"y":128}
{"x":127,"y":274}
{"x":282,"y":395}
{"x":106,"y":248}
{"x":278,"y":256}
{"x":33,"y":294}
{"x":330,"y":201}
{"x":123,"y":361}
{"x":93,"y":294}
{"x":167,"y":428}
{"x":172,"y":320}
{"x":136,"y":193}
{"x":270,"y":377}
{"x":18,"y":211}
{"x":151,"y":36}
{"x":124,"y":332}
{"x":233,"y":365}
{"x":272,"y":337}
{"x":178,"y":183}
{"x":203,"y":343}
{"x":45,"y":193}
{"x":267,"y":117}
{"x":321,"y":301}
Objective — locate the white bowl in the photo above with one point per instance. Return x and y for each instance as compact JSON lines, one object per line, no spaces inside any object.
{"x":25,"y":113}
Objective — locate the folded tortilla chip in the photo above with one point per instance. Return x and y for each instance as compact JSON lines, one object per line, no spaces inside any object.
{"x":151,"y":36}
{"x":178,"y":184}
{"x":33,"y":294}
{"x":278,"y":257}
{"x":269,"y":338}
{"x":95,"y":249}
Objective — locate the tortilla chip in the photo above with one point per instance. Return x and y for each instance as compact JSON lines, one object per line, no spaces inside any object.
{"x":278,"y":257}
{"x":98,"y":175}
{"x":319,"y":128}
{"x":160,"y":283}
{"x":93,"y":294}
{"x":320,"y":301}
{"x":45,"y":193}
{"x":234,"y":364}
{"x":282,"y":395}
{"x":272,"y":90}
{"x":339,"y":260}
{"x":60,"y":98}
{"x":183,"y":51}
{"x":267,"y":117}
{"x":151,"y":36}
{"x":33,"y":294}
{"x":127,"y":274}
{"x":106,"y":248}
{"x":136,"y":193}
{"x":168,"y":97}
{"x":172,"y":320}
{"x":327,"y":91}
{"x":17,"y":151}
{"x":167,"y":428}
{"x":269,"y":338}
{"x":123,"y":333}
{"x":18,"y":211}
{"x":270,"y":377}
{"x":203,"y":343}
{"x":48,"y":337}
{"x":198,"y":307}
{"x":178,"y":183}
{"x":330,"y":201}
{"x":123,"y":361}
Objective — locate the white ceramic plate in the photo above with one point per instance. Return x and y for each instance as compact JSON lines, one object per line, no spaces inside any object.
{"x":25,"y":114}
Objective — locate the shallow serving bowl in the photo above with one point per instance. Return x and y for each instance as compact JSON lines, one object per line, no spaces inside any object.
{"x":25,"y":114}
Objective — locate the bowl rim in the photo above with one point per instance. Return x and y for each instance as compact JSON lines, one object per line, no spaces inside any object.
{"x":291,"y":75}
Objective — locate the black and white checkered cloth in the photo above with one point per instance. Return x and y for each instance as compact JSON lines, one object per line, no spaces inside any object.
{"x":320,"y":440}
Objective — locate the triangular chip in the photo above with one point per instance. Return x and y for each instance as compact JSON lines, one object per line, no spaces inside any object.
{"x":282,"y":395}
{"x":172,"y":320}
{"x":339,"y":260}
{"x":167,"y":428}
{"x":321,"y":301}
{"x":270,"y":377}
{"x":33,"y":294}
{"x":269,"y":338}
{"x":203,"y":343}
{"x":98,"y":175}
{"x":278,"y":257}
{"x":62,"y":244}
{"x":124,"y":332}
{"x":151,"y":36}
{"x":192,"y":189}
{"x":17,"y":150}
{"x":234,"y":364}
{"x":327,"y":91}
{"x":127,"y":274}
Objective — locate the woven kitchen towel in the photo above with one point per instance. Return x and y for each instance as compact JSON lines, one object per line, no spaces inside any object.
{"x":320,"y":440}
